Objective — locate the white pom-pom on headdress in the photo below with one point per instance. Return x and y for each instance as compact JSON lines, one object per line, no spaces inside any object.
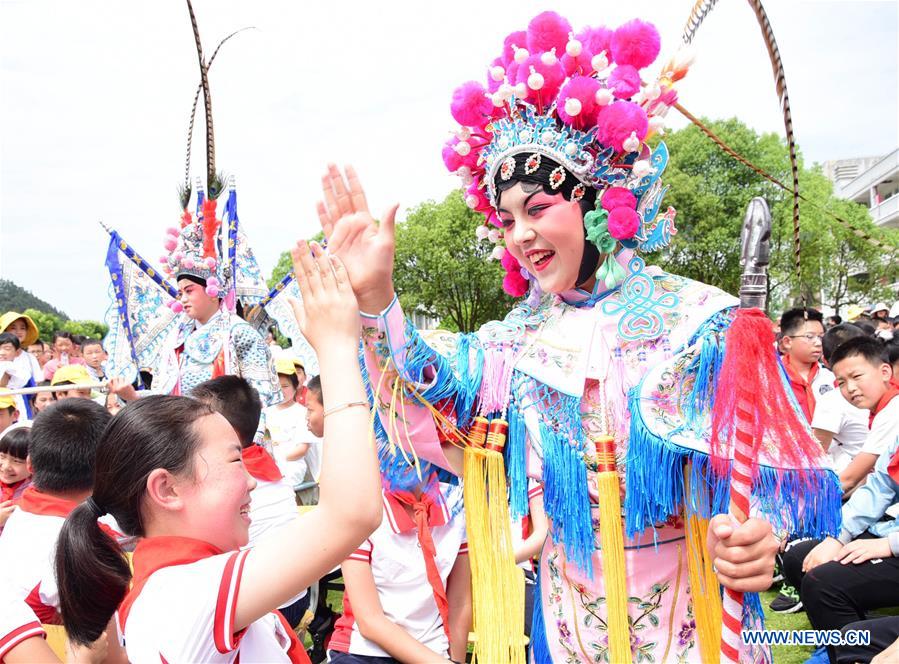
{"x":535,"y":80}
{"x":631,"y":143}
{"x":574,"y":47}
{"x":604,"y":97}
{"x":549,"y":58}
{"x":599,"y":61}
{"x":573,"y":107}
{"x":498,"y":253}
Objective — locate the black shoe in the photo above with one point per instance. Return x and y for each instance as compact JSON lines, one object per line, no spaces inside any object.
{"x":787,"y":601}
{"x":778,"y":569}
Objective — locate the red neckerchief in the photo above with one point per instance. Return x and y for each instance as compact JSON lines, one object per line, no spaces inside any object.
{"x":426,"y":512}
{"x":35,"y":502}
{"x":153,"y":553}
{"x":7,"y":491}
{"x":301,"y":395}
{"x":260,"y":464}
{"x":892,"y":391}
{"x":802,"y":388}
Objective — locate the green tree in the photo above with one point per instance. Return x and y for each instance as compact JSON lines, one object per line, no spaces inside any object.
{"x":285,"y":265}
{"x":442,"y":269}
{"x":710,"y":190}
{"x":87,"y":328}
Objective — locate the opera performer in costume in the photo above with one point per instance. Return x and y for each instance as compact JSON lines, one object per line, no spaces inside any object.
{"x":205,"y":337}
{"x":603,"y":377}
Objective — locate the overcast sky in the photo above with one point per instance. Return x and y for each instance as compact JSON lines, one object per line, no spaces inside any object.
{"x":95,"y":96}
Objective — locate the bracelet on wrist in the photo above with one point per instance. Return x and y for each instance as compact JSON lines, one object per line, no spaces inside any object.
{"x":343,"y":406}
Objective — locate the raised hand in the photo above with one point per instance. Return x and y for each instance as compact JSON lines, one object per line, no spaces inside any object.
{"x":329,"y":314}
{"x":365,"y":246}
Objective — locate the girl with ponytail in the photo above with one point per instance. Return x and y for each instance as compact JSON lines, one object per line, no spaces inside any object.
{"x":169,"y":470}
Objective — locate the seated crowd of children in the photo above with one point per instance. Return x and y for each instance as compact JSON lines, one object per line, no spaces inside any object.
{"x":851,"y":407}
{"x":202,"y":492}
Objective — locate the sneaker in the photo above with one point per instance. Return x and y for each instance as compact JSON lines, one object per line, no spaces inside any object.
{"x":778,"y":569}
{"x":819,"y":656}
{"x":787,"y":601}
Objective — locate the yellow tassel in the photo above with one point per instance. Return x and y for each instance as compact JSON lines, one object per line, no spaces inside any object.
{"x":497,"y":583}
{"x":704,"y":588}
{"x":611,"y":533}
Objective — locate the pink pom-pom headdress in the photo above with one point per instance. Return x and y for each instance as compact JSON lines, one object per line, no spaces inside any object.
{"x":581,"y":102}
{"x":194,"y":249}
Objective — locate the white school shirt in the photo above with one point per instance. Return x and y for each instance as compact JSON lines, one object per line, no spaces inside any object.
{"x":398,"y":568}
{"x":286,"y":427}
{"x":28,"y":551}
{"x":185,"y":613}
{"x":17,"y":624}
{"x":884,"y":429}
{"x":848,"y":424}
{"x":272,"y":506}
{"x":22,"y":368}
{"x":823,"y":383}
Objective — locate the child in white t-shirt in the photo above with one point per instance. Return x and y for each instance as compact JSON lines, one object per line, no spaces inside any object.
{"x":285,"y":423}
{"x":866,"y":379}
{"x":408,"y":586}
{"x":841,"y":427}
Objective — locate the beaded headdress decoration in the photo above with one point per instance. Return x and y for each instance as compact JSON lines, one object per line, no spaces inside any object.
{"x":214,"y":248}
{"x":579,"y":100}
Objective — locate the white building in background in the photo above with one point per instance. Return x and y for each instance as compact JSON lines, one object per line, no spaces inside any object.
{"x":871,"y":181}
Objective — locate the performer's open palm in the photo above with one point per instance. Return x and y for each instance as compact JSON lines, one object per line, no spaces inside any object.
{"x":365,"y":246}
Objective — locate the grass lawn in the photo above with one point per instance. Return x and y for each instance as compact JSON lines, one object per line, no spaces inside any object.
{"x":785,"y":654}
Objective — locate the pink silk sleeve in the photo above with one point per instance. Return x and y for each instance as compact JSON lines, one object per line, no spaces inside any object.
{"x":384,"y":339}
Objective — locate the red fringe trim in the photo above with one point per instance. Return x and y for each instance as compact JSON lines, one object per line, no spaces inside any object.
{"x":750,"y":374}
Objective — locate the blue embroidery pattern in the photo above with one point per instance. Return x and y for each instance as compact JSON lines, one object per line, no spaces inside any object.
{"x":640,"y":308}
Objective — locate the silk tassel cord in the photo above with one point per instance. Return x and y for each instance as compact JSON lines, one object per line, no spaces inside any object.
{"x":474,"y":474}
{"x":506,"y":626}
{"x":704,"y":588}
{"x":611,"y":532}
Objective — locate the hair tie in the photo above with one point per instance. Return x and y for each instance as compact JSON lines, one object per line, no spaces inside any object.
{"x":94,"y":507}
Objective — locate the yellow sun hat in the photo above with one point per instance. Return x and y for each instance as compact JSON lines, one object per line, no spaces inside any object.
{"x":10,"y":317}
{"x":72,"y":373}
{"x":6,"y":400}
{"x":285,"y":366}
{"x":853,"y":311}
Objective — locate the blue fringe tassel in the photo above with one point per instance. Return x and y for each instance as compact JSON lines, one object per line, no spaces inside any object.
{"x":566,"y":498}
{"x":804,"y":503}
{"x":446,"y":384}
{"x":470,"y":376}
{"x":706,"y":367}
{"x":539,"y":646}
{"x":516,"y":461}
